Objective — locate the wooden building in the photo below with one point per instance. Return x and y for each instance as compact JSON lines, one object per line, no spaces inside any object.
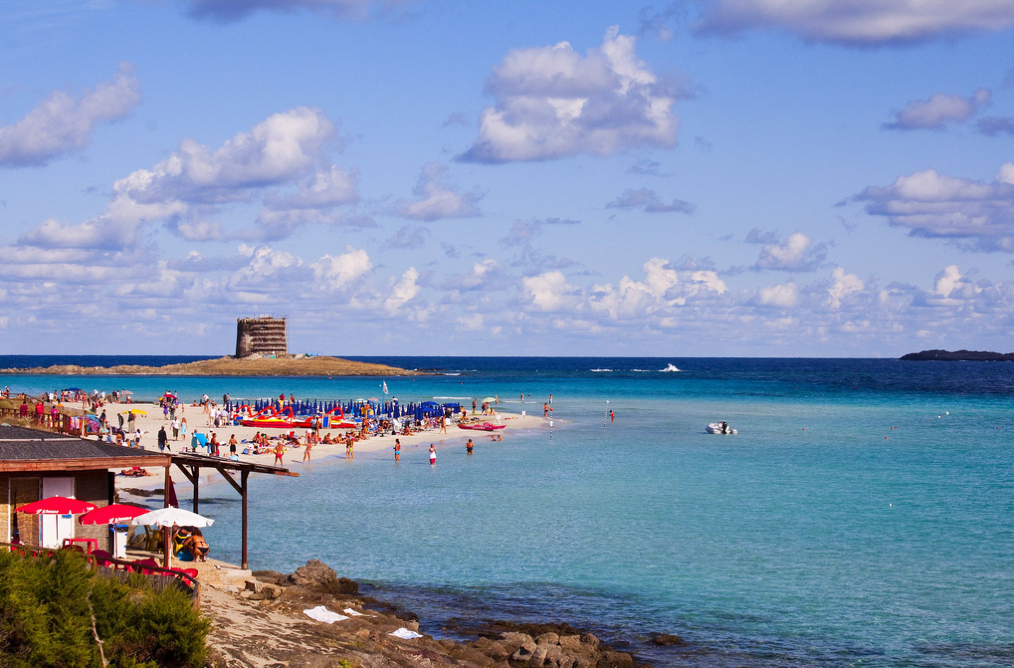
{"x":38,"y":464}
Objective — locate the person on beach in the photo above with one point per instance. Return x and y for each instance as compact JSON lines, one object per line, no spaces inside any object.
{"x":163,"y":439}
{"x":279,"y":451}
{"x":433,"y":455}
{"x":306,"y":451}
{"x":176,"y":429}
{"x":232,"y":445}
{"x":183,"y":429}
{"x":397,"y":449}
{"x":469,"y":446}
{"x":473,"y":406}
{"x":443,"y":424}
{"x":545,"y":410}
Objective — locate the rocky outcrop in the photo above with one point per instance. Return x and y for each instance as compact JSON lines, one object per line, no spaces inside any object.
{"x":274,"y":631}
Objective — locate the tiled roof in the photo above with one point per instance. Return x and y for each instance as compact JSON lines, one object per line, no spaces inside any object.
{"x":20,"y":443}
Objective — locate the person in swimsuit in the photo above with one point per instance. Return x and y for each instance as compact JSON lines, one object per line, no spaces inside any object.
{"x":279,"y":451}
{"x":397,"y":449}
{"x":469,"y":446}
{"x":306,"y":451}
{"x":433,"y":455}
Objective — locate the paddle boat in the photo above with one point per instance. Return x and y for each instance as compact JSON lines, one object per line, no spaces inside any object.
{"x":485,"y":426}
{"x":720,"y":428}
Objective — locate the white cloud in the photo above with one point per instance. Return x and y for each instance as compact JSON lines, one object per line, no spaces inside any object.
{"x":551,"y":103}
{"x":404,"y":290}
{"x":842,"y":287}
{"x":930,"y":204}
{"x":339,"y":272}
{"x":233,"y":10}
{"x":278,"y":150}
{"x":485,"y":275}
{"x":797,"y":253}
{"x":61,"y":124}
{"x":785,"y":295}
{"x":663,"y":289}
{"x":860,"y":22}
{"x":437,"y":200}
{"x":940,"y":110}
{"x":186,"y":190}
{"x":329,"y":188}
{"x":548,"y":291}
{"x":649,"y":202}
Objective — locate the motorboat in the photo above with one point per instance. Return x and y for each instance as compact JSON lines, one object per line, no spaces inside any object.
{"x":720,"y":428}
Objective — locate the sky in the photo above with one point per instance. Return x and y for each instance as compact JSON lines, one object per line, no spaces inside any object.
{"x":826,"y":178}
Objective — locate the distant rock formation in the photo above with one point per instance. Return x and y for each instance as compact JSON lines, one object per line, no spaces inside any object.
{"x":958,"y":356}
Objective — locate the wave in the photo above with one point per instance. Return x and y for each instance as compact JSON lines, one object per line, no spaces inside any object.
{"x":460,"y":398}
{"x":602,"y":370}
{"x":642,"y":370}
{"x":669,"y":368}
{"x":450,"y":374}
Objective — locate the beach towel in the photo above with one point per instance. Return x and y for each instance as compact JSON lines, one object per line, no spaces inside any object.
{"x":352,"y":613}
{"x":322,"y":614}
{"x":405,"y":633}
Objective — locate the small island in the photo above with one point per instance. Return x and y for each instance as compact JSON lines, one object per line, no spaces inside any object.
{"x":254,"y":365}
{"x":958,"y":356}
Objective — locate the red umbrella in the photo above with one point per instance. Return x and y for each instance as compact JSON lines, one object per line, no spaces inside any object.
{"x":116,"y":513}
{"x":57,"y":505}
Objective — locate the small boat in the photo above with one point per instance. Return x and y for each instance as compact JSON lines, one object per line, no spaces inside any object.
{"x":720,"y":428}
{"x":485,"y":426}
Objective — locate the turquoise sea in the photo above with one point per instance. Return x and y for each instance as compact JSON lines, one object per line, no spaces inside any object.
{"x":864,"y":514}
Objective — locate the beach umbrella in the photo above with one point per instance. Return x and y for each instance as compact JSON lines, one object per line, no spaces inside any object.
{"x":116,"y":513}
{"x":57,"y":505}
{"x":167,"y":517}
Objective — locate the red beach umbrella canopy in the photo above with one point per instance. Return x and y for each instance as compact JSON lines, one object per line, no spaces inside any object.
{"x":112,"y":514}
{"x":57,"y":505}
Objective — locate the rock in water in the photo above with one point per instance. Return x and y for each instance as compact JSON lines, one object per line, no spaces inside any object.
{"x":318,"y":574}
{"x":668,"y":640}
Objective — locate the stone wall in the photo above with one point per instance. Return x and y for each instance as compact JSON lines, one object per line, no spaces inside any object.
{"x":262,"y":336}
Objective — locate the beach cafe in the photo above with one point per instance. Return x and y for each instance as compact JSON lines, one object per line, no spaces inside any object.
{"x":36,"y":465}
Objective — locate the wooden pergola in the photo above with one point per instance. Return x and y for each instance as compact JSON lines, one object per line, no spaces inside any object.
{"x":191,"y":465}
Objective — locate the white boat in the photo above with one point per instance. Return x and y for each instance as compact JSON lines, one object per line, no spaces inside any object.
{"x":720,"y":428}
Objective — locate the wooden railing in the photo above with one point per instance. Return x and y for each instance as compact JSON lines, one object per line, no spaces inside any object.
{"x":58,"y":423}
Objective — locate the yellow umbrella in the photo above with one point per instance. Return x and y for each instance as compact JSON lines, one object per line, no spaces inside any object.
{"x":137,"y":411}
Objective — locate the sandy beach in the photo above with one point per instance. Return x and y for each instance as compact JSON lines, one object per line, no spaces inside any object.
{"x":199,"y":422}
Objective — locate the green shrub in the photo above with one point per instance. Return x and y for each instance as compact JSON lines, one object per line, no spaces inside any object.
{"x":45,"y":618}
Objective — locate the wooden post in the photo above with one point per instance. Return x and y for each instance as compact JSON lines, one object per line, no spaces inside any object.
{"x":196,"y":471}
{"x":167,"y":549}
{"x":243,"y":476}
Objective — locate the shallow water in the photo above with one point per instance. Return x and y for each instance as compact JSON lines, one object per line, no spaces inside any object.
{"x":807,"y":539}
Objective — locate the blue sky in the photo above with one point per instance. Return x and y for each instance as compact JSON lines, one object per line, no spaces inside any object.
{"x":709,"y":177}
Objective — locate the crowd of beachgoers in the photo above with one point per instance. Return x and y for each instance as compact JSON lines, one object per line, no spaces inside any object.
{"x":206,"y":426}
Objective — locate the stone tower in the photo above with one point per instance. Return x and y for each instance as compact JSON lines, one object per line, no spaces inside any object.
{"x":263,"y":336}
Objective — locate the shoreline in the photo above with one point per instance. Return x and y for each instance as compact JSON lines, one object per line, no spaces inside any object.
{"x":149,"y":425}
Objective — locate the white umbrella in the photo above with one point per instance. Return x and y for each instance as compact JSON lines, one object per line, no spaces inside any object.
{"x":166,"y":517}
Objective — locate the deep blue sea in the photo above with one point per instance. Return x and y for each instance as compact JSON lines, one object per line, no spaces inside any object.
{"x":863,"y":515}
